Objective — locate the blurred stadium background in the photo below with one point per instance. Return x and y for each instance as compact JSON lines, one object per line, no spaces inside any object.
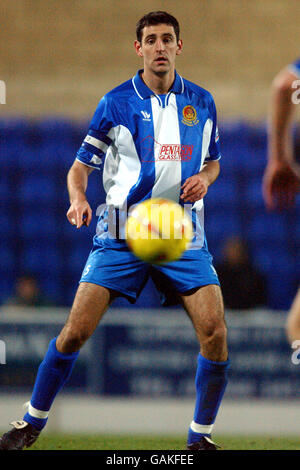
{"x":57,"y":59}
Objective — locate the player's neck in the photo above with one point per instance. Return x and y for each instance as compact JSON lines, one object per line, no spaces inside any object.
{"x":159,"y":84}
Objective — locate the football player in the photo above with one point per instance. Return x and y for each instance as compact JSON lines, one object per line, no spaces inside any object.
{"x":281,"y":181}
{"x":129,"y":132}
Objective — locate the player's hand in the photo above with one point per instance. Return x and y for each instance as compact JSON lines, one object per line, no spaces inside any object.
{"x":194,"y":188}
{"x":281,"y":184}
{"x":80,"y":213}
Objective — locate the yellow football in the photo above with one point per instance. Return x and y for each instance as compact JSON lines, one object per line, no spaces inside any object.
{"x":158,"y":230}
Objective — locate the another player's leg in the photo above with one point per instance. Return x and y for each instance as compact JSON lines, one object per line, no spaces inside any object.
{"x":293,"y":320}
{"x":90,"y":303}
{"x":206,"y":311}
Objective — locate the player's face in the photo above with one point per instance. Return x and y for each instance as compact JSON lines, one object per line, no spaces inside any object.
{"x":159,"y":48}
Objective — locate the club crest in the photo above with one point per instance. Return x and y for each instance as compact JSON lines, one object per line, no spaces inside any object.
{"x":189,"y":116}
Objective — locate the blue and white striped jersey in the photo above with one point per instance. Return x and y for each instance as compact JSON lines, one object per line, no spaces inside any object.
{"x":151,"y":144}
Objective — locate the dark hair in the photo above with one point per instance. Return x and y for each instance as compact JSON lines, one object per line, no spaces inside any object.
{"x":154,"y":18}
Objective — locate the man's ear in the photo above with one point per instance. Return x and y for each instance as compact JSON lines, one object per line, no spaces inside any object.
{"x":138,"y":48}
{"x":179,"y":47}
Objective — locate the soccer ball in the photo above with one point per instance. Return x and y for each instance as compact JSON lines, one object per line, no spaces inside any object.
{"x":158,"y":231}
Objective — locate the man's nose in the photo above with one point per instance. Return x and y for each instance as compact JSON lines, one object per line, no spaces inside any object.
{"x":160,"y":45}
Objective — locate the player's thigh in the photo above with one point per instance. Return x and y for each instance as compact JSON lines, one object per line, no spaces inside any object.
{"x":206,"y":310}
{"x":90,"y":303}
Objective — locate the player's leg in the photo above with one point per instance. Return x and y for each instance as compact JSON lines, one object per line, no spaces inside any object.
{"x":204,"y":306}
{"x":119,"y":271}
{"x":293,"y":320}
{"x":90,"y":303}
{"x":206,"y":311}
{"x":109,"y":272}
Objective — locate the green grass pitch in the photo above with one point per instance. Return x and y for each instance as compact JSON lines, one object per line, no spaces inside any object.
{"x":133,"y":442}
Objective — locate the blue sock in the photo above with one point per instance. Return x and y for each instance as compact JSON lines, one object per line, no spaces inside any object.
{"x":211,"y":381}
{"x":52,"y":374}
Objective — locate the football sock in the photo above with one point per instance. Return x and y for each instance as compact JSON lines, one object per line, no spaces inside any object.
{"x":211,"y":381}
{"x":52,"y":374}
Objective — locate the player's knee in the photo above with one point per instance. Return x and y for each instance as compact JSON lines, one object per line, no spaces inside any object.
{"x":72,"y":339}
{"x":216,"y":335}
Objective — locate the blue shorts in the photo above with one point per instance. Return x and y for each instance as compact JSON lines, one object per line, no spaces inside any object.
{"x":117,"y":268}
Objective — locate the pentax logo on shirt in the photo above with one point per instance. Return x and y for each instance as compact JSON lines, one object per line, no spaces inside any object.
{"x":175,"y":152}
{"x":154,"y":151}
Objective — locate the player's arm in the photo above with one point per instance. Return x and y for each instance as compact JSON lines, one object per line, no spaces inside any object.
{"x":281,"y":114}
{"x":195,"y":187}
{"x":280,"y":182}
{"x":80,"y":212}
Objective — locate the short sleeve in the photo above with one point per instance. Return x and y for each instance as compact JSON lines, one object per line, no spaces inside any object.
{"x":99,"y":137}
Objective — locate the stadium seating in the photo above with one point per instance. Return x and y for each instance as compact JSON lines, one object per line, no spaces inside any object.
{"x":36,"y":237}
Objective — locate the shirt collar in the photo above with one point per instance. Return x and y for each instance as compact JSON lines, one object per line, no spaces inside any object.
{"x":144,"y":92}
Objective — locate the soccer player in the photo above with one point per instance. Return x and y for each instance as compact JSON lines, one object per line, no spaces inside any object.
{"x":281,"y":180}
{"x":133,"y":129}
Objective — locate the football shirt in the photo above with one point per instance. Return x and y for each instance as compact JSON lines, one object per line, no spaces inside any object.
{"x":150,"y":144}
